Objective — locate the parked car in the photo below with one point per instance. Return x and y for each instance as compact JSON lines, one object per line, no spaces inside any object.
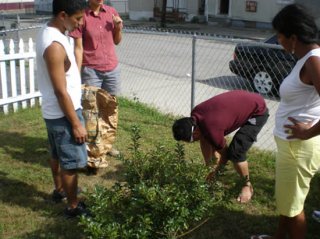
{"x":264,"y":65}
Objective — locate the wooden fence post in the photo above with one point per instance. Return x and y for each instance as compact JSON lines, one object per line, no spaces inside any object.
{"x":22,"y":71}
{"x":3,"y":75}
{"x":13,"y":75}
{"x":31,"y":72}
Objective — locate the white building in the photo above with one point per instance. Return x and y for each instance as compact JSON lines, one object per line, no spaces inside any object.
{"x":16,"y":6}
{"x":246,"y":13}
{"x":45,"y":6}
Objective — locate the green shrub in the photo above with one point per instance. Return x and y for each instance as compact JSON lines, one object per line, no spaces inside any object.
{"x":164,"y":196}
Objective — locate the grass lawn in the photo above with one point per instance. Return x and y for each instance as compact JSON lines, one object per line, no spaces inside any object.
{"x":26,"y":183}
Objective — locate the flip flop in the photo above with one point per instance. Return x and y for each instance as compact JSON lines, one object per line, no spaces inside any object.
{"x":239,"y":199}
{"x":260,"y":237}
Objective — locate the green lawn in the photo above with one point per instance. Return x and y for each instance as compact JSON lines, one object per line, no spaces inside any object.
{"x":26,"y":184}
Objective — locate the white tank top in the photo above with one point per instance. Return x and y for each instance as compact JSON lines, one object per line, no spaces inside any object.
{"x":50,"y":106}
{"x":298,"y":100}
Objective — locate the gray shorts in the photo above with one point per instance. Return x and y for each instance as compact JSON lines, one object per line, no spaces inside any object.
{"x":108,"y":80}
{"x":63,"y":147}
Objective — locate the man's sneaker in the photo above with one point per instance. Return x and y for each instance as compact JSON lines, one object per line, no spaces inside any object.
{"x":113,"y":153}
{"x":316,"y":215}
{"x":80,"y":210}
{"x":58,"y":197}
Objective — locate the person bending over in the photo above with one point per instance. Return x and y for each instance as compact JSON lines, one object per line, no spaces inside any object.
{"x":212,"y":120}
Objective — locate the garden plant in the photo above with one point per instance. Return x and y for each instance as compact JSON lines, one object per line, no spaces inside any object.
{"x":163,"y":196}
{"x":134,"y":185}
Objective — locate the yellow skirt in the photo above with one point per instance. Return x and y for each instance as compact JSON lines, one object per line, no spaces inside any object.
{"x":296,"y":163}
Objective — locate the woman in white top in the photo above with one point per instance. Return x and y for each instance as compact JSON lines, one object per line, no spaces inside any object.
{"x":297,"y":126}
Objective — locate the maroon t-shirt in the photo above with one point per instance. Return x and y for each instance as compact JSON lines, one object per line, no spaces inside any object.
{"x":224,"y":113}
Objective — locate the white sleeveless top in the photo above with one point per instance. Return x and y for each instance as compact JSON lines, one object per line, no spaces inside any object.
{"x":298,"y":100}
{"x":50,"y":106}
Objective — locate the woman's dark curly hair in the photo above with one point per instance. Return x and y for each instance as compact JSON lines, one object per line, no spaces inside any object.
{"x":294,"y":19}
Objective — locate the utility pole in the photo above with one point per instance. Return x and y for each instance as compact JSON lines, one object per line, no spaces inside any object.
{"x":163,"y":13}
{"x":18,"y":27}
{"x":206,"y":11}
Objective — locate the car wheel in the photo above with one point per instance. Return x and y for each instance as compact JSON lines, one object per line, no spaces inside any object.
{"x":263,"y":83}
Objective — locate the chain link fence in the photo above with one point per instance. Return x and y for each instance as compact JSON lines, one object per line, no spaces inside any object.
{"x":161,"y":69}
{"x":174,"y":71}
{"x":23,"y":26}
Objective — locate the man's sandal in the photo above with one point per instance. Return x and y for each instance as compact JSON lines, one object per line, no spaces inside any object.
{"x":241,"y":195}
{"x":261,"y":237}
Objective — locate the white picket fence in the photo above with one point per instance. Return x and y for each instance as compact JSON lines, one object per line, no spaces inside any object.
{"x":17,"y":70}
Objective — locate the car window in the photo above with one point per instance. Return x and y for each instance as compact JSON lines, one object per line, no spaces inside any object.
{"x":272,"y":40}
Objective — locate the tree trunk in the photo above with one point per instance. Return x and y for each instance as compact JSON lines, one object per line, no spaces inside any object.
{"x":163,"y":13}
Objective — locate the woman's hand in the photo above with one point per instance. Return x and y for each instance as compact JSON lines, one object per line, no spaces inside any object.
{"x":298,"y":129}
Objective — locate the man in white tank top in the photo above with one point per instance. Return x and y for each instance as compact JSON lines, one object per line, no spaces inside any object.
{"x":60,"y":85}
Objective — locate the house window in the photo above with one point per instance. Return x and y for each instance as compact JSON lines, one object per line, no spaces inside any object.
{"x":285,"y":1}
{"x":251,"y":6}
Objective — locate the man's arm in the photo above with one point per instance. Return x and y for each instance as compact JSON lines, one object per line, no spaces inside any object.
{"x":223,"y":159}
{"x":118,"y":25}
{"x":207,"y":150}
{"x":54,"y":57}
{"x":78,"y":51}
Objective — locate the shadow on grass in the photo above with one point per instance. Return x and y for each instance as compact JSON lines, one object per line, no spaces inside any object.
{"x":229,"y":221}
{"x":115,"y":175}
{"x":263,"y":183}
{"x":24,"y":148}
{"x":227,"y":224}
{"x":240,"y":221}
{"x":15,"y":192}
{"x":232,"y":223}
{"x":59,"y":230}
{"x":56,"y":226}
{"x":232,"y":220}
{"x":313,"y":203}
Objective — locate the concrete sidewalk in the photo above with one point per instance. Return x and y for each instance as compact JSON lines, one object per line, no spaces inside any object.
{"x":212,"y":28}
{"x":155,"y":71}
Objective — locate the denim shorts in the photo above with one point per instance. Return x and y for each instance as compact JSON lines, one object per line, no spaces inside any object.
{"x":63,"y":147}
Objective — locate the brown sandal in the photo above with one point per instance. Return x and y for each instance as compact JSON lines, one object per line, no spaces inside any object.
{"x":242,"y":194}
